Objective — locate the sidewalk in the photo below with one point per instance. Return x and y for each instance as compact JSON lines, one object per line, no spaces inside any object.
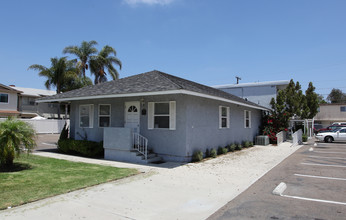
{"x":166,"y":191}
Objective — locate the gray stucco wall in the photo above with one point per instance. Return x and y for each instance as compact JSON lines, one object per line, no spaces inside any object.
{"x":197,"y":124}
{"x":12,"y":102}
{"x":203,"y":125}
{"x":261,"y":95}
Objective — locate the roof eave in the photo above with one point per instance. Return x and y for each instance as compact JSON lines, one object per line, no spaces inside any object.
{"x":167,"y":92}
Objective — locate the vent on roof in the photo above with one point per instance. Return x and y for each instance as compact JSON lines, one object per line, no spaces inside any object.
{"x":12,"y":85}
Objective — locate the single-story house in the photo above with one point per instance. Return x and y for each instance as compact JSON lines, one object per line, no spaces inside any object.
{"x":171,"y":116}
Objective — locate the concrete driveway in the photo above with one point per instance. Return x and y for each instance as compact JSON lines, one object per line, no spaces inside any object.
{"x":165,"y":191}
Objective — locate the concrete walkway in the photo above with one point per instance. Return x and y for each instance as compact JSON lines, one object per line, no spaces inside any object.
{"x":166,"y":191}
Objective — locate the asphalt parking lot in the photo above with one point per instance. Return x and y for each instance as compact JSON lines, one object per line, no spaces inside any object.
{"x":314,"y":187}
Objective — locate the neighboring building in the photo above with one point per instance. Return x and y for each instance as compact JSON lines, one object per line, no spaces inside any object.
{"x":8,"y":101}
{"x":175,"y":115}
{"x":260,"y":93}
{"x":20,"y":102}
{"x":330,"y":113}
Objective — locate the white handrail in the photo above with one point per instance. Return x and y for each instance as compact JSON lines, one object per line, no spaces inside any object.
{"x":140,"y":144}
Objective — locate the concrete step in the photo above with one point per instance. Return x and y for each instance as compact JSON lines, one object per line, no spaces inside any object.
{"x":154,"y":160}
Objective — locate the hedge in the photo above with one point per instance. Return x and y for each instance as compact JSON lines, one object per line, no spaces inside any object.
{"x":81,"y":147}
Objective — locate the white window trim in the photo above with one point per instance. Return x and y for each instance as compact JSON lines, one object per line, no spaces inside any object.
{"x":171,"y":115}
{"x":246,"y":119}
{"x":99,"y":115}
{"x":8,"y":98}
{"x":227,"y":117}
{"x":91,"y":115}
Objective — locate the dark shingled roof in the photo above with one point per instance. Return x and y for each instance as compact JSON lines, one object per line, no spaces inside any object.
{"x":153,"y":81}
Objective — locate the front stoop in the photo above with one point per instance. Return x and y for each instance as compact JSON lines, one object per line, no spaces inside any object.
{"x":151,"y":157}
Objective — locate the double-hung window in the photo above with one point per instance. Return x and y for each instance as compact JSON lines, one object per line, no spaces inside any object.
{"x":86,"y":113}
{"x":161,"y":115}
{"x":224,"y":117}
{"x":3,"y":98}
{"x":104,"y":115}
{"x":343,"y":108}
{"x":247,"y":119}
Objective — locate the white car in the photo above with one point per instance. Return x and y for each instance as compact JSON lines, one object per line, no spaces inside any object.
{"x":335,"y":135}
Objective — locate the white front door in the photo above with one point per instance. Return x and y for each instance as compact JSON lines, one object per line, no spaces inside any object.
{"x":132,"y":112}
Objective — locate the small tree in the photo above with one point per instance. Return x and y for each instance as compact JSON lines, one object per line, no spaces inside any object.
{"x":15,"y":137}
{"x":336,"y":96}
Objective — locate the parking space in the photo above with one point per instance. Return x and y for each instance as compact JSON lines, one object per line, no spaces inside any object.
{"x":314,"y":187}
{"x":321,"y":175}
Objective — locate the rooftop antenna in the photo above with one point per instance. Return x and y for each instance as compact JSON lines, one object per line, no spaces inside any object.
{"x":238,"y":78}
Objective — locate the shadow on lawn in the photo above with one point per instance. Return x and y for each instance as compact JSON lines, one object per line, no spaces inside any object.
{"x":16,"y":167}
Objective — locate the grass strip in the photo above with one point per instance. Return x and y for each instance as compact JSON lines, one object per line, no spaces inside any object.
{"x":34,"y":177}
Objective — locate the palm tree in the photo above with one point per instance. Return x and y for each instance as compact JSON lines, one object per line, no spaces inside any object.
{"x":105,"y":59}
{"x":84,"y":52}
{"x":59,"y":73}
{"x":15,"y":137}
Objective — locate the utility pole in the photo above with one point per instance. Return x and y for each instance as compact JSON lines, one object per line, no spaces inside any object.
{"x":238,"y":78}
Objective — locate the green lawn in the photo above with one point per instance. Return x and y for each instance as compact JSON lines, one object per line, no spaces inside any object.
{"x":43,"y":177}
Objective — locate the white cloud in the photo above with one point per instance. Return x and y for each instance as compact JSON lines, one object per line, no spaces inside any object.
{"x":148,"y":2}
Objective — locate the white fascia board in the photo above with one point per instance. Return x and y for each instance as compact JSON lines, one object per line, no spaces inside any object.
{"x":168,"y":92}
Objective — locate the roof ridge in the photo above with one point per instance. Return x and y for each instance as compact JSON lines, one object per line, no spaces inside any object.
{"x":165,"y":76}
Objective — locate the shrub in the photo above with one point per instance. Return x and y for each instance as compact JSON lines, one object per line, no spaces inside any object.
{"x":207,"y":153}
{"x":232,"y":148}
{"x":197,"y":156}
{"x":221,"y":150}
{"x":304,"y":138}
{"x":251,"y":143}
{"x":64,"y":133}
{"x":213,"y":153}
{"x":238,"y":147}
{"x":81,"y":147}
{"x":246,"y":144}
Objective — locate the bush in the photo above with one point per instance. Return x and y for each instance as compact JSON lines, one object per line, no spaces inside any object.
{"x":207,"y":153}
{"x":81,"y":147}
{"x":238,"y":147}
{"x":213,"y":153}
{"x":246,"y":144}
{"x":64,"y":133}
{"x":197,"y":156}
{"x":305,"y":138}
{"x":222,"y":150}
{"x":251,"y":143}
{"x":232,"y":148}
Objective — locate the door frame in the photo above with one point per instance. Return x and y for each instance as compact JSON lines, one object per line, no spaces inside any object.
{"x":138,"y":105}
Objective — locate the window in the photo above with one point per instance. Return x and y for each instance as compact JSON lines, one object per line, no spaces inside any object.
{"x":86,"y":113}
{"x":104,"y":115}
{"x":342,"y":131}
{"x":161,"y":115}
{"x":3,"y":98}
{"x":28,"y":100}
{"x":343,"y":108}
{"x":223,"y":117}
{"x":247,"y":119}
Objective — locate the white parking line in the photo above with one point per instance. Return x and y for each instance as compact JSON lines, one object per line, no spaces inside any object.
{"x":324,"y":165}
{"x":48,"y":144}
{"x":315,"y":200}
{"x":328,"y":152}
{"x":342,"y":158}
{"x":320,"y":177}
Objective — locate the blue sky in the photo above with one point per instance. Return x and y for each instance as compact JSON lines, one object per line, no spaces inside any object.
{"x":206,"y":41}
